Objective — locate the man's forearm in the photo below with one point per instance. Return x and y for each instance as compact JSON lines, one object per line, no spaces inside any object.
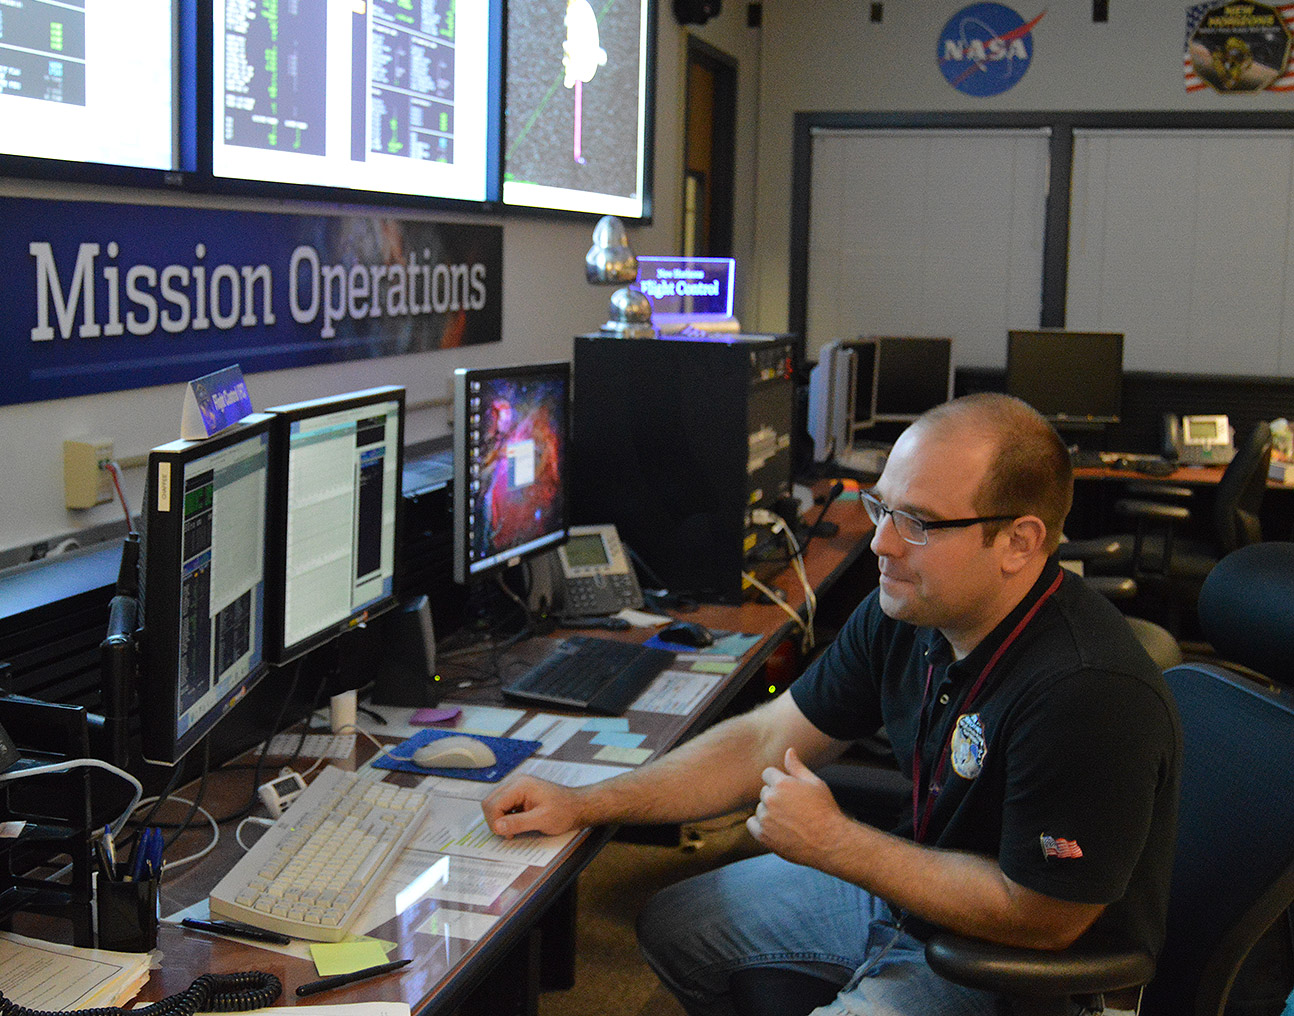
{"x":716,"y":772}
{"x":965,"y":893}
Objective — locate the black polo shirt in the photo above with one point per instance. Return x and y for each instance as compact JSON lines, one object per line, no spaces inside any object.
{"x":1065,"y":766}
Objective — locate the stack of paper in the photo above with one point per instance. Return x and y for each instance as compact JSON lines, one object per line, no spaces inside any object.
{"x":47,"y":976}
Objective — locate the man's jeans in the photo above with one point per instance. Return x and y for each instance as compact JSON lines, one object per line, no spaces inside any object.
{"x":765,"y":911}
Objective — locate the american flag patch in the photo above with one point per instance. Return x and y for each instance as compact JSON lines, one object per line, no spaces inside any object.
{"x":1058,"y":846}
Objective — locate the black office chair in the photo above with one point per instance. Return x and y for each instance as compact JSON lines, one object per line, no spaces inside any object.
{"x":1168,"y":568}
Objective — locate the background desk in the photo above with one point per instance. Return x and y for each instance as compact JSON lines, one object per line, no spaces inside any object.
{"x":500,"y":973}
{"x":1096,"y":490}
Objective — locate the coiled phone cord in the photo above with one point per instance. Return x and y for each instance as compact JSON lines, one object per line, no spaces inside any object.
{"x":251,"y":989}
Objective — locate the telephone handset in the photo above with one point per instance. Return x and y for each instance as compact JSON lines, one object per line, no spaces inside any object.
{"x":590,"y":574}
{"x":1198,"y":440}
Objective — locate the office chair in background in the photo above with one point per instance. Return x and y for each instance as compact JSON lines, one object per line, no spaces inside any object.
{"x":1169,"y":568}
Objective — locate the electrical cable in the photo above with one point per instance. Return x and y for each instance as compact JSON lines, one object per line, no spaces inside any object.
{"x":776,"y":598}
{"x":85,"y":763}
{"x":190,"y":858}
{"x":114,"y":471}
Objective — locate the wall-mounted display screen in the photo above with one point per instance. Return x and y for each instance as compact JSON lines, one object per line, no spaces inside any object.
{"x":84,"y":82}
{"x":390,"y":96}
{"x":577,"y":128}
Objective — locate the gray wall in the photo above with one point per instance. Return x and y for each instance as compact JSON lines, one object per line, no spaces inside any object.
{"x":827,"y":55}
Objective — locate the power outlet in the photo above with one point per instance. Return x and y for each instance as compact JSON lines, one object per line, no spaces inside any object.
{"x":86,"y":480}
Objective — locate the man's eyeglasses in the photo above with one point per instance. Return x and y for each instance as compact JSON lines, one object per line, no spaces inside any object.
{"x":914,"y":530}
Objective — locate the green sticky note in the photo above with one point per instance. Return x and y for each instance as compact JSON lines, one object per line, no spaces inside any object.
{"x":346,"y":957}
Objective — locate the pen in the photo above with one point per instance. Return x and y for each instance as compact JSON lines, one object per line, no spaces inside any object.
{"x":237,"y":930}
{"x":328,"y":983}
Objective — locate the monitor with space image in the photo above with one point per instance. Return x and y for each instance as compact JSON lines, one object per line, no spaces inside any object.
{"x":511,"y":436}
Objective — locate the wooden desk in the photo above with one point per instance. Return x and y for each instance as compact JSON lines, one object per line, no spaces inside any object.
{"x":1093,"y":513}
{"x":497,"y":973}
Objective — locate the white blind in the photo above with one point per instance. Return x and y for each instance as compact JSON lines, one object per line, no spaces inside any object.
{"x":927,"y":232}
{"x":1181,"y":240}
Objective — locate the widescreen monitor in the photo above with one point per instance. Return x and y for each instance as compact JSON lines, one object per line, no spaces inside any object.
{"x":577,"y":129}
{"x":203,"y":567}
{"x":913,"y":374}
{"x":1072,"y":378}
{"x":396,"y":97}
{"x":94,"y":87}
{"x":511,"y":442}
{"x":335,"y":506}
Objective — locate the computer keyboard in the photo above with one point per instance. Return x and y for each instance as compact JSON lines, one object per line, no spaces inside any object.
{"x":584,"y":672}
{"x":312,"y":872}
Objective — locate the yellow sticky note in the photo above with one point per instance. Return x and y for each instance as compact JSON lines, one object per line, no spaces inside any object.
{"x":346,"y":957}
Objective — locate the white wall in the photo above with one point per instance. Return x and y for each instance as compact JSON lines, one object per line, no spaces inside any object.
{"x":827,"y":55}
{"x":545,"y":303}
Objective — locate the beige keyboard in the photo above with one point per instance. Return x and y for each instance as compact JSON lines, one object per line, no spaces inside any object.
{"x":312,"y":872}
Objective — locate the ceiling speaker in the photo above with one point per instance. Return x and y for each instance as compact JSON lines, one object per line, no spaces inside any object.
{"x":695,"y":12}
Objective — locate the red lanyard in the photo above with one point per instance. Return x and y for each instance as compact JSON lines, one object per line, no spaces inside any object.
{"x":919,"y":826}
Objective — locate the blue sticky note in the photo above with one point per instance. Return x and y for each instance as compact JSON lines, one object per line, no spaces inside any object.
{"x":618,"y":739}
{"x":606,"y":723}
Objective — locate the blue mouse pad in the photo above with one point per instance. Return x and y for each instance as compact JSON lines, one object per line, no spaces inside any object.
{"x":509,"y":752}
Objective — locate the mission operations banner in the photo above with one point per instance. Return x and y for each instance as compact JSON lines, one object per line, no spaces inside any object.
{"x":104,"y":297}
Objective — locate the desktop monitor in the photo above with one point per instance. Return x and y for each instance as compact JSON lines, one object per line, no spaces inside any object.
{"x":335,"y":507}
{"x":831,"y":393}
{"x":863,"y":402}
{"x":202,"y":589}
{"x":913,"y":374}
{"x":511,"y":442}
{"x":394,"y":98}
{"x":1071,"y":378}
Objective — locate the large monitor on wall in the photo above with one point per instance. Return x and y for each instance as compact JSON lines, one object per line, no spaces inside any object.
{"x":397,"y":97}
{"x":95,"y":87}
{"x":913,"y":374}
{"x":511,"y":442}
{"x":335,"y":508}
{"x":203,"y":570}
{"x":577,"y":128}
{"x":1072,"y":378}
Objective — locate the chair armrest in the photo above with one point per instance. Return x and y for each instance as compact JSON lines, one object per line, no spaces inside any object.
{"x":1143,"y":488}
{"x":1082,"y":969}
{"x":1152,"y":510}
{"x":1095,"y":548}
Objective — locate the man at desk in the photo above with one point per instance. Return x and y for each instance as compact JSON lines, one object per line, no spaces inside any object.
{"x":1047,"y":768}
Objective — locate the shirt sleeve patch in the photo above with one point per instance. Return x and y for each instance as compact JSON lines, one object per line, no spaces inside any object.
{"x":1059,"y":848}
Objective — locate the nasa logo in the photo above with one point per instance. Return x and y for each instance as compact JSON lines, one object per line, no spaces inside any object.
{"x":985,"y":48}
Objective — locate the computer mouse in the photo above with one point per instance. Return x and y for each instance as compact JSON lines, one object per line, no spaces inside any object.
{"x":688,"y":633}
{"x":458,"y":751}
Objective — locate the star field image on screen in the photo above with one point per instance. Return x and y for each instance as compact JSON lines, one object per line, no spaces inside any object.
{"x":517,"y":447}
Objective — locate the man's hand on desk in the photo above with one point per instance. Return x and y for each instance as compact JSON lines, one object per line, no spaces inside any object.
{"x":526,"y":804}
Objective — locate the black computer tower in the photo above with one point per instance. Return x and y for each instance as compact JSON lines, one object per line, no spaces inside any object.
{"x":676,"y":441}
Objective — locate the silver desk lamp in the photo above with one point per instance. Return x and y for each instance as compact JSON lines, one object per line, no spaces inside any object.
{"x":610,"y":261}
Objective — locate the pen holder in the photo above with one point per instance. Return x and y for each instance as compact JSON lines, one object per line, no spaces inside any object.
{"x":128,"y":913}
